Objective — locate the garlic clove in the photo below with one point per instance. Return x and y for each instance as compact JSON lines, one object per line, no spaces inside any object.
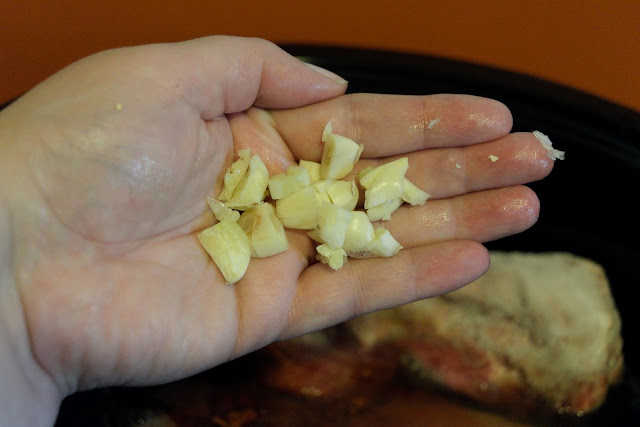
{"x":313,"y":169}
{"x":221,"y":212}
{"x":234,"y":174}
{"x":359,"y":233}
{"x":251,"y":189}
{"x":229,"y":247}
{"x":384,"y":183}
{"x":268,"y":236}
{"x":382,"y":192}
{"x":384,"y":244}
{"x":299,"y":210}
{"x":413,"y":195}
{"x":335,"y":258}
{"x":315,"y":235}
{"x":344,"y":194}
{"x":333,"y":222}
{"x":281,"y":185}
{"x":328,"y":130}
{"x":388,"y":172}
{"x":384,"y":210}
{"x":339,"y":155}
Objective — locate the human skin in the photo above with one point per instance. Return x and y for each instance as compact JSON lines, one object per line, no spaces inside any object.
{"x":105,"y":169}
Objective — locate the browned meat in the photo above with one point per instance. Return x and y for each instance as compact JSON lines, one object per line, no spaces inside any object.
{"x":317,"y":366}
{"x":536,"y":332}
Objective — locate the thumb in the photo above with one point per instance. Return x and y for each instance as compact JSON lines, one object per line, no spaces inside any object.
{"x":230,"y":74}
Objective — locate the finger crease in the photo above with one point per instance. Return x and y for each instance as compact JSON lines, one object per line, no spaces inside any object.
{"x":355,"y":113}
{"x":359,"y":289}
{"x":454,"y":221}
{"x":464,"y":171}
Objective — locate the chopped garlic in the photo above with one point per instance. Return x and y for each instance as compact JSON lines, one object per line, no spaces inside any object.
{"x":384,"y":210}
{"x":384,"y":183}
{"x":299,"y":210}
{"x":234,"y":174}
{"x":359,"y":234}
{"x":335,"y":258}
{"x":384,"y":245}
{"x":283,"y":184}
{"x":308,"y":196}
{"x":343,"y":193}
{"x":267,"y":234}
{"x":251,"y":189}
{"x":333,"y":222}
{"x":552,"y":153}
{"x":413,"y":195}
{"x":229,"y":247}
{"x":313,"y":169}
{"x":328,"y":130}
{"x":221,"y":212}
{"x":339,"y":155}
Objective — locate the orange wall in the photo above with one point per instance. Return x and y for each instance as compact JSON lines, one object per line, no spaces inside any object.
{"x":587,"y":44}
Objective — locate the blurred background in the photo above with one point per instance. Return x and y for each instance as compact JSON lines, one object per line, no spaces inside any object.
{"x":591,"y":45}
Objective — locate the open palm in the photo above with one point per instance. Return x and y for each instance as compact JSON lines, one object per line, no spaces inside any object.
{"x":121,"y":151}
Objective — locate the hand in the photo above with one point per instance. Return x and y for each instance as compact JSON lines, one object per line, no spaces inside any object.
{"x":111,"y":161}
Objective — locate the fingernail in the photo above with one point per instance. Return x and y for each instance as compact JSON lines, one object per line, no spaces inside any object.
{"x":336,"y":78}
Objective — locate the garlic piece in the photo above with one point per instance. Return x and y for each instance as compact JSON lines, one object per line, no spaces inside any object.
{"x":413,"y":195}
{"x":333,"y":222}
{"x":283,"y":184}
{"x":321,"y":187}
{"x":234,"y":174}
{"x":363,"y":172}
{"x":388,"y":172}
{"x":268,"y":236}
{"x":251,"y":189}
{"x":315,"y":235}
{"x":339,"y":155}
{"x":246,"y":222}
{"x":383,"y":245}
{"x":335,"y":258}
{"x":229,"y":247}
{"x":343,"y":193}
{"x":552,"y":153}
{"x":382,"y":193}
{"x":359,"y":233}
{"x":313,"y":168}
{"x":328,"y":130}
{"x":384,"y":210}
{"x":384,"y":183}
{"x":221,"y":212}
{"x":299,"y":209}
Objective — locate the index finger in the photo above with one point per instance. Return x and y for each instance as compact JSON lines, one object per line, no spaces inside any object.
{"x":394,"y":124}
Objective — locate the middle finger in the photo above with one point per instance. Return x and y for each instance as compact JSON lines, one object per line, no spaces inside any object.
{"x":515,"y":159}
{"x":482,"y":216}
